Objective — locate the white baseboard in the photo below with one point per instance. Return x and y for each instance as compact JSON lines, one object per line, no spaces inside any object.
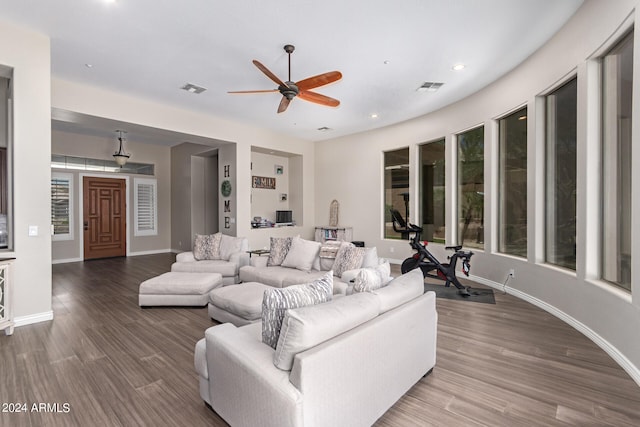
{"x":611,"y":350}
{"x":64,"y":261}
{"x":33,"y":318}
{"x":153,"y":252}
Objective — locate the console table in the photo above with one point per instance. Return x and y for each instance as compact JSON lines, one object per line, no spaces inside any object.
{"x":6,"y":314}
{"x":333,"y":233}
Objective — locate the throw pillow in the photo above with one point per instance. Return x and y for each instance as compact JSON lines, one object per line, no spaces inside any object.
{"x":277,"y":301}
{"x":349,"y":257}
{"x":369,"y":279}
{"x":370,"y":258}
{"x":206,"y":246}
{"x":301,"y":254}
{"x":229,"y":245}
{"x":278,"y":250}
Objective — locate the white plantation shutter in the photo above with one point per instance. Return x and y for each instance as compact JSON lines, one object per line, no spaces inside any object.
{"x":146,"y":207}
{"x":62,"y":206}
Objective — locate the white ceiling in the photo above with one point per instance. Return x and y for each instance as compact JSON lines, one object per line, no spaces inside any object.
{"x":151,"y":48}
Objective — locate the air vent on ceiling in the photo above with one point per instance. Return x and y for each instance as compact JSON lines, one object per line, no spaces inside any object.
{"x":429,"y":87}
{"x":191,"y":88}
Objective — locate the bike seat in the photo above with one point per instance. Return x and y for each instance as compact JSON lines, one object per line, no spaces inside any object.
{"x":453,"y":248}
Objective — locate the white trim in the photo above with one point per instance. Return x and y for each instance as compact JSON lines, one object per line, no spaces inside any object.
{"x":151,"y":252}
{"x":610,"y":349}
{"x":33,"y":318}
{"x":154,"y":185}
{"x":67,"y":260}
{"x":70,"y":235}
{"x":81,"y":207}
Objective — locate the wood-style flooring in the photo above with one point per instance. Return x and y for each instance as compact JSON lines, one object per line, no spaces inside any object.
{"x":104,"y":361}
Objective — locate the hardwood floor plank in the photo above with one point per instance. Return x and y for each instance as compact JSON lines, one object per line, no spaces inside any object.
{"x":503,"y":364}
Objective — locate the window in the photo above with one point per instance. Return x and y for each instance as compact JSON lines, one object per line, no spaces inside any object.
{"x":512,"y":200}
{"x":396,"y":188}
{"x":146,"y":207}
{"x":560,"y":192}
{"x":62,"y":206}
{"x":471,"y":188}
{"x":617,"y":88}
{"x":432,"y":191}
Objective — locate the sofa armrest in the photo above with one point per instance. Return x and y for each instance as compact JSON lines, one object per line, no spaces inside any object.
{"x":259,"y":261}
{"x":245,"y":387}
{"x":185,"y":257}
{"x":239,"y":258}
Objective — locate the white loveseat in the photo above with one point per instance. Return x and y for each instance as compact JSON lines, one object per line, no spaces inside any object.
{"x":349,"y":370}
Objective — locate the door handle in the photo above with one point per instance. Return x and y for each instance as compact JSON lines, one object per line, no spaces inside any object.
{"x":86,"y":225}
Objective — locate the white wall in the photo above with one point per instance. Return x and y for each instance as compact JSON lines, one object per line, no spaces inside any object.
{"x":28,"y":54}
{"x":117,"y":106}
{"x":93,"y":147}
{"x":349,"y":169}
{"x":265,"y":202}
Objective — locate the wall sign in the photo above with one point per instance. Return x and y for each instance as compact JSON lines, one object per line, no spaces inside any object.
{"x":263,"y":182}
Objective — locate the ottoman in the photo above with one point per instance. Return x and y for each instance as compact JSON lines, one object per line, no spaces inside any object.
{"x":171,"y":289}
{"x":238,"y":304}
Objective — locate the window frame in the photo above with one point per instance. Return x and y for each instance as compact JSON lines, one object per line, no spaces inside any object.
{"x":70,"y":235}
{"x":457,"y":192}
{"x":502,"y":246}
{"x":153,"y":183}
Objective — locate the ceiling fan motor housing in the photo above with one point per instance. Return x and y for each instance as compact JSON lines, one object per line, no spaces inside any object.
{"x":290,"y":91}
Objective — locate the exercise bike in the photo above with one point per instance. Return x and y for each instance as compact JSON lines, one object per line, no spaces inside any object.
{"x":425,"y":260}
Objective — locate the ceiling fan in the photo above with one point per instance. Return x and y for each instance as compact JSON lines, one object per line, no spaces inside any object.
{"x":301,"y":89}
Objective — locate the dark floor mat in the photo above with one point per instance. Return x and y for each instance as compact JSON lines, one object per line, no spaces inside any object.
{"x":483,"y":295}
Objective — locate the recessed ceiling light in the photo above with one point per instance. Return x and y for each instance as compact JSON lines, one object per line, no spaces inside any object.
{"x":374,"y":116}
{"x":387,"y":62}
{"x":191,"y":88}
{"x":458,"y":67}
{"x":88,"y":65}
{"x":324,"y":129}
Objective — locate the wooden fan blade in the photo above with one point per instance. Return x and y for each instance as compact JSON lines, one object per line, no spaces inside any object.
{"x":319,"y":80}
{"x":269,"y":74}
{"x":254,"y":91}
{"x":284,"y":103}
{"x":318,"y":99}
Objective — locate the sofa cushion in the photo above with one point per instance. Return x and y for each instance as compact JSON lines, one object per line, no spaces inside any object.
{"x":370,"y":258}
{"x":306,"y":327}
{"x":207,"y":246}
{"x":277,"y":301}
{"x":369,"y":279}
{"x":348,"y":257}
{"x":229,"y":245}
{"x":225,"y":268}
{"x":400,"y":290}
{"x":301,"y":254}
{"x":279,"y":247}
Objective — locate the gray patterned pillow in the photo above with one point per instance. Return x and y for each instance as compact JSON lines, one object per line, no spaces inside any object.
{"x":348,"y":257}
{"x":206,"y":246}
{"x":278,"y":251}
{"x":277,"y":301}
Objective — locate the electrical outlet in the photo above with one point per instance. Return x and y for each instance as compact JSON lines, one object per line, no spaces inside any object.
{"x":512,"y":273}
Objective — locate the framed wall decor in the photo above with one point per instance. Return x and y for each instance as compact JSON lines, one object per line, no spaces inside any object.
{"x":263,"y":182}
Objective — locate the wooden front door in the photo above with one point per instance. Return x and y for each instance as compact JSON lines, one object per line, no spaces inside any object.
{"x":104,"y":217}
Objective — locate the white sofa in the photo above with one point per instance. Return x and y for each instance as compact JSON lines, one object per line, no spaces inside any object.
{"x":280,"y":276}
{"x":350,"y":379}
{"x":233,"y":257}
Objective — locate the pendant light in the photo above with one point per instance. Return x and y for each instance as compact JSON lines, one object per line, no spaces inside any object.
{"x":121,"y":157}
